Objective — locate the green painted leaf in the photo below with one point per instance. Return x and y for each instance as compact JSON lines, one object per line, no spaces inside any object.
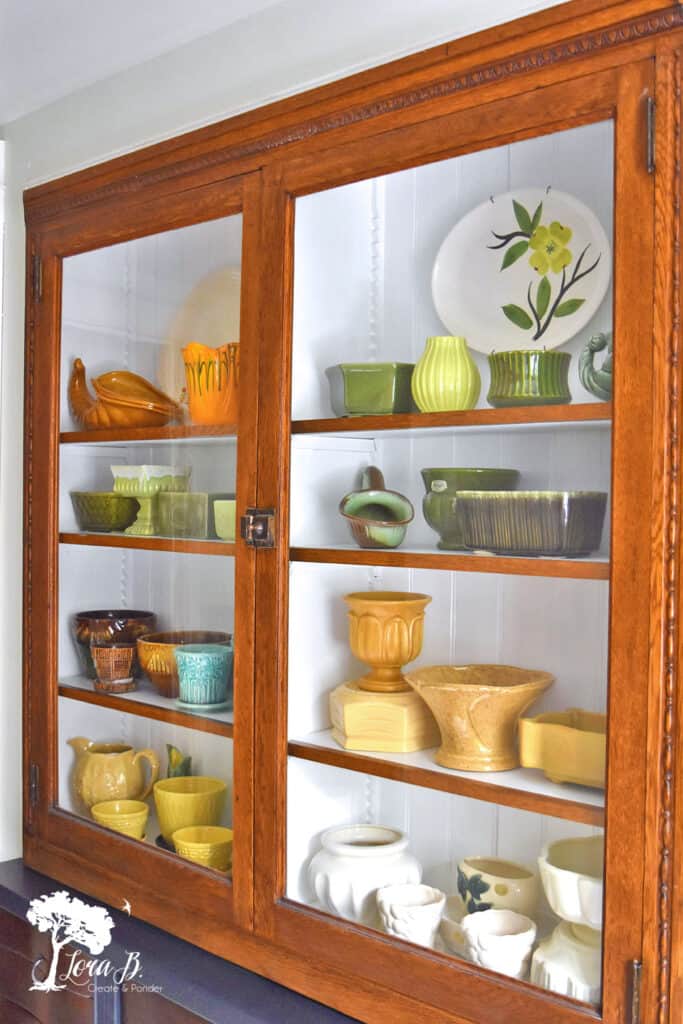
{"x":518,"y":316}
{"x":513,"y":254}
{"x":536,"y":219}
{"x":478,"y":886}
{"x":522,"y":215}
{"x":569,"y":307}
{"x":542,"y":296}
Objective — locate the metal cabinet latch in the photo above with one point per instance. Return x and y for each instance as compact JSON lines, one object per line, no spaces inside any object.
{"x":256,"y":527}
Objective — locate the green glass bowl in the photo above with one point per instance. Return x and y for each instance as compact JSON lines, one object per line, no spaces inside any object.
{"x":370,"y":389}
{"x":528,"y":377}
{"x":103,"y":511}
{"x":440,"y":503}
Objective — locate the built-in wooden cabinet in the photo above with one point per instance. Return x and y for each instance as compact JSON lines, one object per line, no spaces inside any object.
{"x":308,"y":232}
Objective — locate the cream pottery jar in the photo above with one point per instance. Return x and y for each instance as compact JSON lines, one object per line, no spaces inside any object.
{"x":356,"y":861}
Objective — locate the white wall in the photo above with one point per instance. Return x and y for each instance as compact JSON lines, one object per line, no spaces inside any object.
{"x":280,"y":51}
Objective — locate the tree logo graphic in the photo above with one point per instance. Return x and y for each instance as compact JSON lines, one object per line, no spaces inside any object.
{"x":68,"y":919}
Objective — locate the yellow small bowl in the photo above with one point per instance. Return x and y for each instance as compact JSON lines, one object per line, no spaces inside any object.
{"x":210,"y":845}
{"x":126,"y":816}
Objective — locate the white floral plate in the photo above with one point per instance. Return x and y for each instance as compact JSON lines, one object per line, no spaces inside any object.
{"x":524,"y":271}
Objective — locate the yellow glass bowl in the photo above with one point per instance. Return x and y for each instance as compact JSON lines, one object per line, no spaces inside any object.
{"x":188,"y":800}
{"x":209,"y":845}
{"x":126,"y":816}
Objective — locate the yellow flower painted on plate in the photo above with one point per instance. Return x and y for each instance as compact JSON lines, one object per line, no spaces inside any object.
{"x":549,"y":245}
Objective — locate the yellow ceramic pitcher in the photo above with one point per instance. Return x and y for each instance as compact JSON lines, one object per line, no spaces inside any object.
{"x":211,"y":375}
{"x":111,"y":771}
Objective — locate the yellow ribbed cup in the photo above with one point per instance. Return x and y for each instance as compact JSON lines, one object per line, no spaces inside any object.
{"x":446,"y":377}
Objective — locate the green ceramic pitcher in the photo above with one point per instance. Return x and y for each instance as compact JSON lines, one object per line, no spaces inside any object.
{"x":378,"y":518}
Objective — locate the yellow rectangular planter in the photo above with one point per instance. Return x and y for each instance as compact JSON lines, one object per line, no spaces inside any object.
{"x":568,"y":746}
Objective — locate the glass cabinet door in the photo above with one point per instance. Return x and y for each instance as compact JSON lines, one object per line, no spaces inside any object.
{"x":147,"y":627}
{"x":453,"y":590}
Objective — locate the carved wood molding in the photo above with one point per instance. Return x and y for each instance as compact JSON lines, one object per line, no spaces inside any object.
{"x":576,"y":47}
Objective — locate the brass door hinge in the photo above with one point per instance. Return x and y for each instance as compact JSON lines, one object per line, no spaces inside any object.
{"x":37,"y":277}
{"x":33,"y":784}
{"x":651,"y":115}
{"x":636,"y":974}
{"x":256,"y":527}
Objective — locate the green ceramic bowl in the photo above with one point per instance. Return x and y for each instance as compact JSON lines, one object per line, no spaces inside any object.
{"x":102,"y":511}
{"x":528,"y":377}
{"x":367,"y":389}
{"x":182,"y":514}
{"x":564,"y":523}
{"x":440,"y":503}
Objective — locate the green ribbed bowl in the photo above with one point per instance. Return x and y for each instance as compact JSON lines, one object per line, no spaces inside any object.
{"x":527,"y":377}
{"x":564,"y":523}
{"x":103,"y":511}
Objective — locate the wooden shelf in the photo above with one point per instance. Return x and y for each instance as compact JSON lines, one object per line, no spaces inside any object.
{"x":597,"y":412}
{"x":523,"y":788}
{"x":426,"y":558}
{"x":141,"y":435}
{"x":145,"y":702}
{"x":176,"y":544}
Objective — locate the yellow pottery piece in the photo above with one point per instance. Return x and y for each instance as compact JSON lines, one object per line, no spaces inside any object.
{"x":446,"y":376}
{"x":212,"y":376}
{"x":569,"y":746}
{"x":124,"y":399}
{"x":477,"y":708}
{"x":385,"y":630}
{"x":126,"y":816}
{"x":209,"y":845}
{"x":111,"y":771}
{"x":188,"y":800}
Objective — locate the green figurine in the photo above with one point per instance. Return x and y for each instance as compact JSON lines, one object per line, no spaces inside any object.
{"x":178,"y":764}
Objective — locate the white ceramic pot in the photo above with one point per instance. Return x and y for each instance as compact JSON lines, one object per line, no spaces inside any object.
{"x":490,"y":883}
{"x":572,"y":875}
{"x":354,"y":862}
{"x":500,"y":940}
{"x":569,"y":962}
{"x":411,"y":912}
{"x":450,"y":928}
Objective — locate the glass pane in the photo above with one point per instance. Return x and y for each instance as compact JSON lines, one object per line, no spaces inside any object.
{"x":148,"y":463}
{"x":448,"y":650}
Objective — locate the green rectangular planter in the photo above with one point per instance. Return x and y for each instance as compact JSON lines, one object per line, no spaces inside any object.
{"x":370,"y":389}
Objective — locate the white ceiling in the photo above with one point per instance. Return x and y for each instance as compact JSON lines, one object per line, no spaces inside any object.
{"x":50,"y":48}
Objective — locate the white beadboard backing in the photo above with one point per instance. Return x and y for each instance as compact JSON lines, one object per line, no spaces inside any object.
{"x":211,"y":755}
{"x":364,"y":253}
{"x":119,"y":302}
{"x":443,"y":828}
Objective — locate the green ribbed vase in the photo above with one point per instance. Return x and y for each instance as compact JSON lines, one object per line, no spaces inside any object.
{"x":528,"y":377}
{"x":446,"y":377}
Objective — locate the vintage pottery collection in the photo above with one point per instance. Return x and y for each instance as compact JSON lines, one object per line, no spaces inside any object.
{"x":208,"y":845}
{"x":123,"y":400}
{"x":411,"y":912}
{"x":187,"y":801}
{"x":126,"y":816}
{"x":354,"y":862}
{"x":446,"y":376}
{"x":107,"y":626}
{"x":500,"y":940}
{"x":477,"y":708}
{"x":145,"y":483}
{"x":559,"y":523}
{"x":597,"y":381}
{"x":528,"y":377}
{"x":440,"y":503}
{"x":111,"y":771}
{"x":377,"y":518}
{"x":157,"y":655}
{"x":370,"y":389}
{"x":486,"y":883}
{"x":568,"y":746}
{"x":212,"y":379}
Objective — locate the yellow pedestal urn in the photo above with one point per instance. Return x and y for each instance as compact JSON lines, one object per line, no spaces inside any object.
{"x":379,"y":711}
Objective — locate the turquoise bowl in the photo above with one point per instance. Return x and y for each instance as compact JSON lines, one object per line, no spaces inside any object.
{"x":204,"y":673}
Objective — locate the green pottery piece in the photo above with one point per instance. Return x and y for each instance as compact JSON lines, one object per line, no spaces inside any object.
{"x":597,"y":381}
{"x":527,"y":377}
{"x":214,"y":498}
{"x":561,"y":523}
{"x":446,"y":377}
{"x":183,"y":514}
{"x":440,"y":503}
{"x":370,"y":389}
{"x":377,"y":518}
{"x":102,"y":511}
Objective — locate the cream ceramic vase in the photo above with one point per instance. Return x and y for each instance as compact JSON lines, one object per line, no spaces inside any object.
{"x":111,"y":771}
{"x":354,"y":862}
{"x":446,"y":377}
